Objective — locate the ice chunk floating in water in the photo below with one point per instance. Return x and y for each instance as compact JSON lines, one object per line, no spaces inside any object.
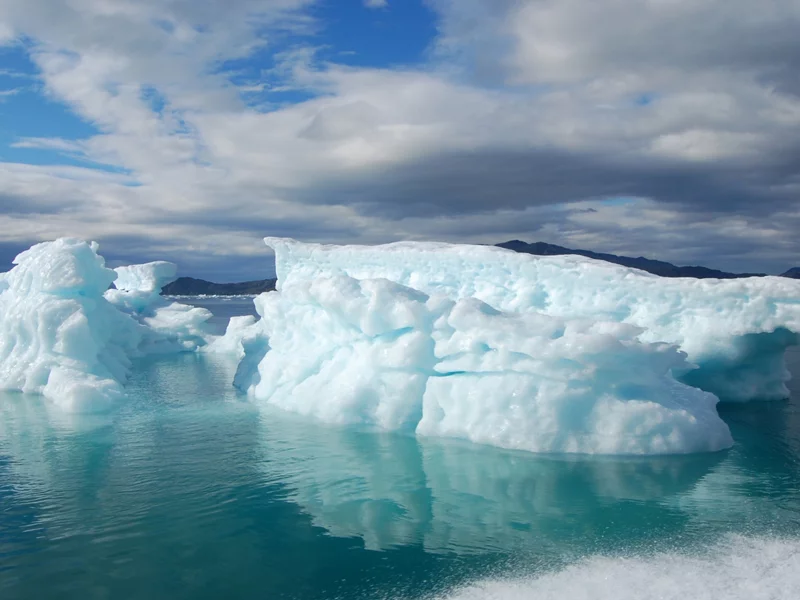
{"x":169,"y":326}
{"x":64,"y":334}
{"x":368,"y":350}
{"x":555,"y":354}
{"x":736,"y":330}
{"x":58,"y":334}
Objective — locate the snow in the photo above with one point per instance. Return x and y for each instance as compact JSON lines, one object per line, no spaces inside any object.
{"x":58,"y":335}
{"x":736,"y":331}
{"x":373,"y":352}
{"x":169,"y":326}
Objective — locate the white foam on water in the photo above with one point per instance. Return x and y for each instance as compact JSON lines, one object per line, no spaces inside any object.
{"x":738,"y":568}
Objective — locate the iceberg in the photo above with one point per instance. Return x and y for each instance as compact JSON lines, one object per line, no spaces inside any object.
{"x":545,"y":354}
{"x":58,"y":335}
{"x":64,"y":334}
{"x":735,"y":331}
{"x":353,"y":337}
{"x":168,"y":326}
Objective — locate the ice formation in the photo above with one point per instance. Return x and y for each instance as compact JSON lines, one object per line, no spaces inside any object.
{"x":65,"y":335}
{"x":169,"y":326}
{"x":736,"y":331}
{"x":351,"y":347}
{"x":546,"y":354}
{"x":58,"y":335}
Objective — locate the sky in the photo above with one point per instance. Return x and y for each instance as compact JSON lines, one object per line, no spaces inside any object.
{"x":187,"y":130}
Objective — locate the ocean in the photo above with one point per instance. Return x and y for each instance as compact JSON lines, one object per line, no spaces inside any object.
{"x":190,"y":491}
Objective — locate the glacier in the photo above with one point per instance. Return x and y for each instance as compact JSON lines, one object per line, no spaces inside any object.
{"x":66,"y":334}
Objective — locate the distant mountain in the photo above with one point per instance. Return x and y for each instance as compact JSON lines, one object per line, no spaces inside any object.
{"x":794,"y":273}
{"x":657,"y":267}
{"x":189,"y":286}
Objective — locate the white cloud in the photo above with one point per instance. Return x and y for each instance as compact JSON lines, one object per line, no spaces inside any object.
{"x":57,"y":144}
{"x":598,"y":99}
{"x":6,"y":34}
{"x":575,"y":40}
{"x":376,"y":3}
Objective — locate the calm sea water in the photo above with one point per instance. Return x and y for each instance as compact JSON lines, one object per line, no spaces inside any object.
{"x":189,"y":491}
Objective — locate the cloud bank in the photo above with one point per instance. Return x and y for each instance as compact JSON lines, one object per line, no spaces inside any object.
{"x":668,"y":128}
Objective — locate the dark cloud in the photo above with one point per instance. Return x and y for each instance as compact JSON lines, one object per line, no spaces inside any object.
{"x":486,"y":181}
{"x":32,"y":205}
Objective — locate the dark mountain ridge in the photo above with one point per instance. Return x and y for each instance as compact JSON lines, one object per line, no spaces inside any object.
{"x":657,"y":267}
{"x":189,"y":286}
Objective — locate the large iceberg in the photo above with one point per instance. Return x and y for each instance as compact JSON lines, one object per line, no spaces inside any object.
{"x":58,"y":335}
{"x":388,"y":337}
{"x":735,"y":331}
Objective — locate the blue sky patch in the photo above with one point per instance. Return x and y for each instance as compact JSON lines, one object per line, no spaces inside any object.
{"x":350,"y":34}
{"x":397,"y":35}
{"x":30,"y":113}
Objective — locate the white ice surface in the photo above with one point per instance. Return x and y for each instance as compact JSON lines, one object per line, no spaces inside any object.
{"x":66,"y":335}
{"x":735,"y":330}
{"x":169,"y":326}
{"x":376,"y":353}
{"x":238,"y":331}
{"x":148,"y":277}
{"x":58,"y":335}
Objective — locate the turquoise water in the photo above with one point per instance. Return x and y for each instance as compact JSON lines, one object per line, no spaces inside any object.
{"x":189,"y":491}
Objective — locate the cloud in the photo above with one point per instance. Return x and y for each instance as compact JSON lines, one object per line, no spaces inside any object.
{"x":5,"y":94}
{"x":376,"y":3}
{"x":529,"y":116}
{"x":554,"y":41}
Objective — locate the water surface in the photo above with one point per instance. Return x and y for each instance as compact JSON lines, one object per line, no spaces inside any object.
{"x":189,"y":491}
